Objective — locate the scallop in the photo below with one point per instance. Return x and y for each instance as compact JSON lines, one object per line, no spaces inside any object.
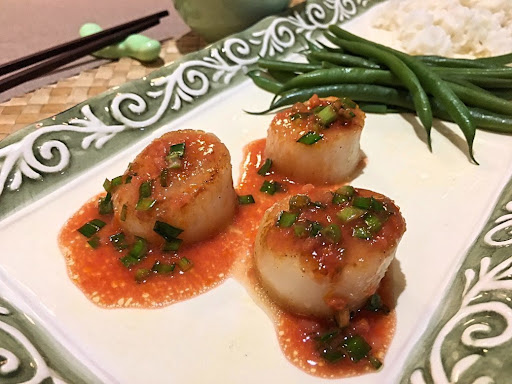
{"x":182,"y":179}
{"x":324,"y":253}
{"x":317,"y":141}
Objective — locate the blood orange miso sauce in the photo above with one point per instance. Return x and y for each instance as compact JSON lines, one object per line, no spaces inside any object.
{"x":315,"y":346}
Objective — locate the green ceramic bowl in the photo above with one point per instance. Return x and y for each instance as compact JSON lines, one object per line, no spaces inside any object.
{"x":214,"y":19}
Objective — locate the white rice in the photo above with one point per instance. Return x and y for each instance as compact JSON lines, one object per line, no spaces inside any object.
{"x":456,"y":28}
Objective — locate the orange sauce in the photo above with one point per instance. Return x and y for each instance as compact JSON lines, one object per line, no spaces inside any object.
{"x":105,"y":281}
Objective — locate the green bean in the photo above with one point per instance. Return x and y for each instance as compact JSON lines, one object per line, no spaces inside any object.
{"x":504,"y":73}
{"x":441,"y":61}
{"x":376,"y":108}
{"x":281,"y":76}
{"x":433,"y":84}
{"x":264,"y":81}
{"x":501,"y":93}
{"x":343,"y":59}
{"x":398,"y":68}
{"x":497,"y":60}
{"x":482,"y":100}
{"x":485,"y":82}
{"x":287,"y":66}
{"x":341,"y":75}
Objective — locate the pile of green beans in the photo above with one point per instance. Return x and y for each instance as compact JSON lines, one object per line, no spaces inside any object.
{"x":472,"y":93}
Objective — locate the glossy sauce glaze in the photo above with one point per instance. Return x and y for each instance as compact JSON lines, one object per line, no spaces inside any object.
{"x":108,"y":283}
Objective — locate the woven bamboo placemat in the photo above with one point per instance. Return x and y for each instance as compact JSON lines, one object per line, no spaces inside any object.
{"x":55,"y":98}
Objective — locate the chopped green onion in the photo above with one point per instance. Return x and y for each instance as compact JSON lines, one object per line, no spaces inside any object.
{"x":333,"y":355}
{"x":298,"y":115}
{"x":332,"y":233}
{"x":116,"y":181}
{"x":327,"y":336}
{"x":167,"y":231}
{"x":357,"y":348}
{"x":145,"y":204}
{"x":299,"y":202}
{"x":338,"y":199}
{"x":142,"y":274}
{"x":377,"y":205}
{"x":300,"y":230}
{"x":362,"y":202}
{"x":245,"y":199}
{"x":310,"y":138}
{"x":265,"y":168}
{"x":172,"y":245}
{"x":124,"y":211}
{"x":107,"y":185}
{"x":178,"y":149}
{"x":375,"y":304}
{"x":376,"y":363}
{"x":145,"y":189}
{"x":362,"y":233}
{"x":348,"y":103}
{"x":128,"y":179}
{"x":105,"y":205}
{"x":350,"y":213}
{"x":94,"y":242}
{"x":163,"y":268}
{"x":315,"y":228}
{"x":129,"y":261}
{"x":119,"y":241}
{"x":163,"y":177}
{"x":346,"y":190}
{"x":327,"y":115}
{"x":286,"y":219}
{"x":139,"y":248}
{"x":373,"y":222}
{"x":91,"y":228}
{"x":269,"y":187}
{"x":185,"y":264}
{"x":173,"y":161}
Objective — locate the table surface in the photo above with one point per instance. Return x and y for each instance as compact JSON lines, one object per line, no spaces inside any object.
{"x":58,"y":21}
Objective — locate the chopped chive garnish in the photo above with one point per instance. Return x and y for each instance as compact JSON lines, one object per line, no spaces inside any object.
{"x":348,"y":103}
{"x":116,"y":181}
{"x":105,"y":205}
{"x":185,"y":264}
{"x":119,"y":241}
{"x":91,"y":228}
{"x":286,"y":219}
{"x":338,"y":199}
{"x":269,"y":187}
{"x":298,"y":202}
{"x":333,"y":356}
{"x":129,"y":261}
{"x":346,"y":190}
{"x":139,"y":248}
{"x":167,"y":231}
{"x":377,"y":205}
{"x":327,"y":115}
{"x":300,"y":230}
{"x":145,"y":189}
{"x":373,"y":222}
{"x":317,"y":109}
{"x":315,"y":228}
{"x":142,"y":274}
{"x":173,"y":161}
{"x":350,"y":213}
{"x":128,"y":179}
{"x":178,"y":149}
{"x":163,"y":268}
{"x":172,"y":245}
{"x":375,"y":304}
{"x":94,"y":242}
{"x":310,"y":138}
{"x":124,"y":211}
{"x":163,"y":177}
{"x":332,"y":233}
{"x":327,"y":336}
{"x":298,"y":115}
{"x":145,"y":204}
{"x":362,"y":202}
{"x":376,"y":363}
{"x":357,"y":348}
{"x":265,"y":168}
{"x":245,"y":199}
{"x":107,"y":185}
{"x":362,"y":233}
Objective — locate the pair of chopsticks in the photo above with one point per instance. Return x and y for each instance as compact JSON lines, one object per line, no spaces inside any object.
{"x":49,"y":59}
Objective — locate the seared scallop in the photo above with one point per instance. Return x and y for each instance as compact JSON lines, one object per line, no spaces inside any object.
{"x":325,"y":253}
{"x":317,"y":141}
{"x":180,"y":185}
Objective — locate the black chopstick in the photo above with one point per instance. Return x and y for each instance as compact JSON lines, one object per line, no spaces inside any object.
{"x":20,"y":63}
{"x":72,"y":55}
